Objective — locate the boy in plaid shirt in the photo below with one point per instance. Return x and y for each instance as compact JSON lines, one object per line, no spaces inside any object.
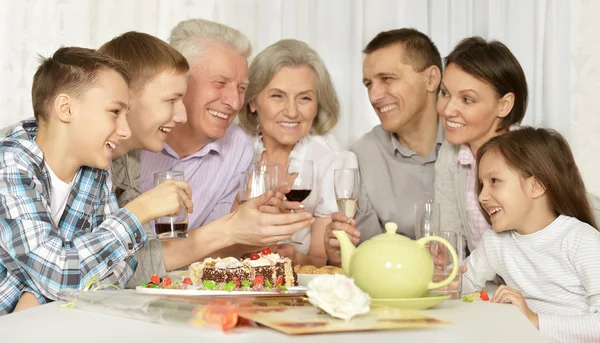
{"x":60,"y":225}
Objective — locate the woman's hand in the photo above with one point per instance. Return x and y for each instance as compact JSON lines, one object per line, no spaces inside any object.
{"x":505,"y":294}
{"x":286,"y":250}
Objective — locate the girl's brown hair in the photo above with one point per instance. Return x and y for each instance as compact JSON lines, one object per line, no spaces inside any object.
{"x":545,"y":155}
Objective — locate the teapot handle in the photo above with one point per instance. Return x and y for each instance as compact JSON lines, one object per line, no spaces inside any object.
{"x":425,"y":240}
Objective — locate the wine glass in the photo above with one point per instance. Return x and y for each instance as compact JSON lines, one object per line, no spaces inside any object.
{"x":299,"y":178}
{"x":346,"y":183}
{"x":254,"y":183}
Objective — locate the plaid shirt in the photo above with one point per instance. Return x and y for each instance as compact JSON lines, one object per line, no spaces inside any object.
{"x":93,"y":237}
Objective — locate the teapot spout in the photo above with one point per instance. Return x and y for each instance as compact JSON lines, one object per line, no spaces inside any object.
{"x":347,"y":250}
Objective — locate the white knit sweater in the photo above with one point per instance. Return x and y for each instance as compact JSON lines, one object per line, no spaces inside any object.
{"x":557,"y":269}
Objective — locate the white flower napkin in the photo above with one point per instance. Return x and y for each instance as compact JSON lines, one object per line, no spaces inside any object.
{"x":338,"y":296}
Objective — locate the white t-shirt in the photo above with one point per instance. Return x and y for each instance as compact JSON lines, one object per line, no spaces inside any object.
{"x":556,"y":269}
{"x":327,"y":156}
{"x":60,"y":193}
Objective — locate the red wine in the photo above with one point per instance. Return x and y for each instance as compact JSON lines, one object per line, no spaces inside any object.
{"x":298,"y":194}
{"x":165,"y":230}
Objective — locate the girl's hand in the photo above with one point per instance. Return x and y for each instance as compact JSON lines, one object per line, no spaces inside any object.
{"x":505,"y":294}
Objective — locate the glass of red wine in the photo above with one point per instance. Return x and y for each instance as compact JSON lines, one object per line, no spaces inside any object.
{"x":299,"y":178}
{"x":171,"y":226}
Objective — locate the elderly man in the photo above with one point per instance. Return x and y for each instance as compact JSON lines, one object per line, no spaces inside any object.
{"x":402,"y":73}
{"x":208,"y":148}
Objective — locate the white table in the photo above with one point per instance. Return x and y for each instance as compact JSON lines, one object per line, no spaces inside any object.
{"x":474,"y":322}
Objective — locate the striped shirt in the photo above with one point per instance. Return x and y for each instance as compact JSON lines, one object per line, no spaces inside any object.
{"x":213,"y":173}
{"x":556,"y":269}
{"x":93,"y":238}
{"x":477,"y":224}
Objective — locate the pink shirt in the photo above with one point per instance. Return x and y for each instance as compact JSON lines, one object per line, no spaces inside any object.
{"x":477,"y":224}
{"x":213,"y":173}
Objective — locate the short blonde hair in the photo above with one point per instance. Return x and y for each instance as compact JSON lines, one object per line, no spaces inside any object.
{"x":290,"y":53}
{"x":146,"y":56}
{"x":190,"y":38}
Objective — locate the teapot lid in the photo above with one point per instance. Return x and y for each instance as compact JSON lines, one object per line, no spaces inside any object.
{"x":390,"y":233}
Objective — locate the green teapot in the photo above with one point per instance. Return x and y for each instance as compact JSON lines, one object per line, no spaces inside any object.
{"x":392,"y":266}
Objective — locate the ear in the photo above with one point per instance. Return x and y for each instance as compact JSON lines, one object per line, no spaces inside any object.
{"x":506,"y":104}
{"x":252,"y":106}
{"x":434,"y":77}
{"x":62,"y":108}
{"x":535,"y":188}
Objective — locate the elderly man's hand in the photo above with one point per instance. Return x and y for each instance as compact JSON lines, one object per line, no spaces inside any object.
{"x":332,"y":246}
{"x":258,"y":222}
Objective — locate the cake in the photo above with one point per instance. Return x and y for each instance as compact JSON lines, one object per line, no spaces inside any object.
{"x":259,"y":271}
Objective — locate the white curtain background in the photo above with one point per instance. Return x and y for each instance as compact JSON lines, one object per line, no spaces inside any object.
{"x":562,"y":81}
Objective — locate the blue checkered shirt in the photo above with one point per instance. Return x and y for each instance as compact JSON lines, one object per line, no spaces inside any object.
{"x":93,"y":237}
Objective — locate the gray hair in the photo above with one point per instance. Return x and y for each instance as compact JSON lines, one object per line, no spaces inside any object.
{"x":190,"y":37}
{"x":290,"y":53}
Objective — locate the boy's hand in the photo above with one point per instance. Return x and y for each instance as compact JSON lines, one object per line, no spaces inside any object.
{"x":332,"y":246}
{"x":505,"y":294}
{"x":166,"y":199}
{"x":27,"y":301}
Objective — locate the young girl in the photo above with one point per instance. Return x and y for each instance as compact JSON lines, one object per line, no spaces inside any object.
{"x":544,"y":243}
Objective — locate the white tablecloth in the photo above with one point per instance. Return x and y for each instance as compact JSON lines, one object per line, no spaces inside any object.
{"x":474,"y":322}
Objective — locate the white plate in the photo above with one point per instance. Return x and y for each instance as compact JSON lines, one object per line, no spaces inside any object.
{"x":205,"y":292}
{"x":304,"y":279}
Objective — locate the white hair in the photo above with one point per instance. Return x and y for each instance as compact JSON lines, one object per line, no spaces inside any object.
{"x":190,"y":37}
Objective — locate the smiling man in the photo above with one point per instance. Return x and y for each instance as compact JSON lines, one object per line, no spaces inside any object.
{"x":402,"y":73}
{"x":208,"y":148}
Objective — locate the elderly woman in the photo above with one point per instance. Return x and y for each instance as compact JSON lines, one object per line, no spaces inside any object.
{"x":291,"y":106}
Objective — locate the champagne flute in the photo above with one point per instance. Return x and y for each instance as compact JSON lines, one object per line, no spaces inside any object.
{"x":254,"y":183}
{"x":347,"y":186}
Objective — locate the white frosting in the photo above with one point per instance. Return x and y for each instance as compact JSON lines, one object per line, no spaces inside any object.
{"x":261,"y":262}
{"x":274,"y":257}
{"x":338,"y":295}
{"x":228,"y":262}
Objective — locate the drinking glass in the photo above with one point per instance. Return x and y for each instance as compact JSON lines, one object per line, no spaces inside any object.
{"x":442,"y":262}
{"x":269,"y":167}
{"x":171,"y":226}
{"x":427,"y":219}
{"x":254,"y":183}
{"x":346,"y":184}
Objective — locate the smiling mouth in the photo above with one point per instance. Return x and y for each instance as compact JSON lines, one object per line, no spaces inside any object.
{"x":494,"y":211}
{"x":387,"y":108}
{"x":218,"y":114}
{"x":165,"y":129}
{"x":454,"y":125}
{"x":288,"y":124}
{"x":111,"y":145}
